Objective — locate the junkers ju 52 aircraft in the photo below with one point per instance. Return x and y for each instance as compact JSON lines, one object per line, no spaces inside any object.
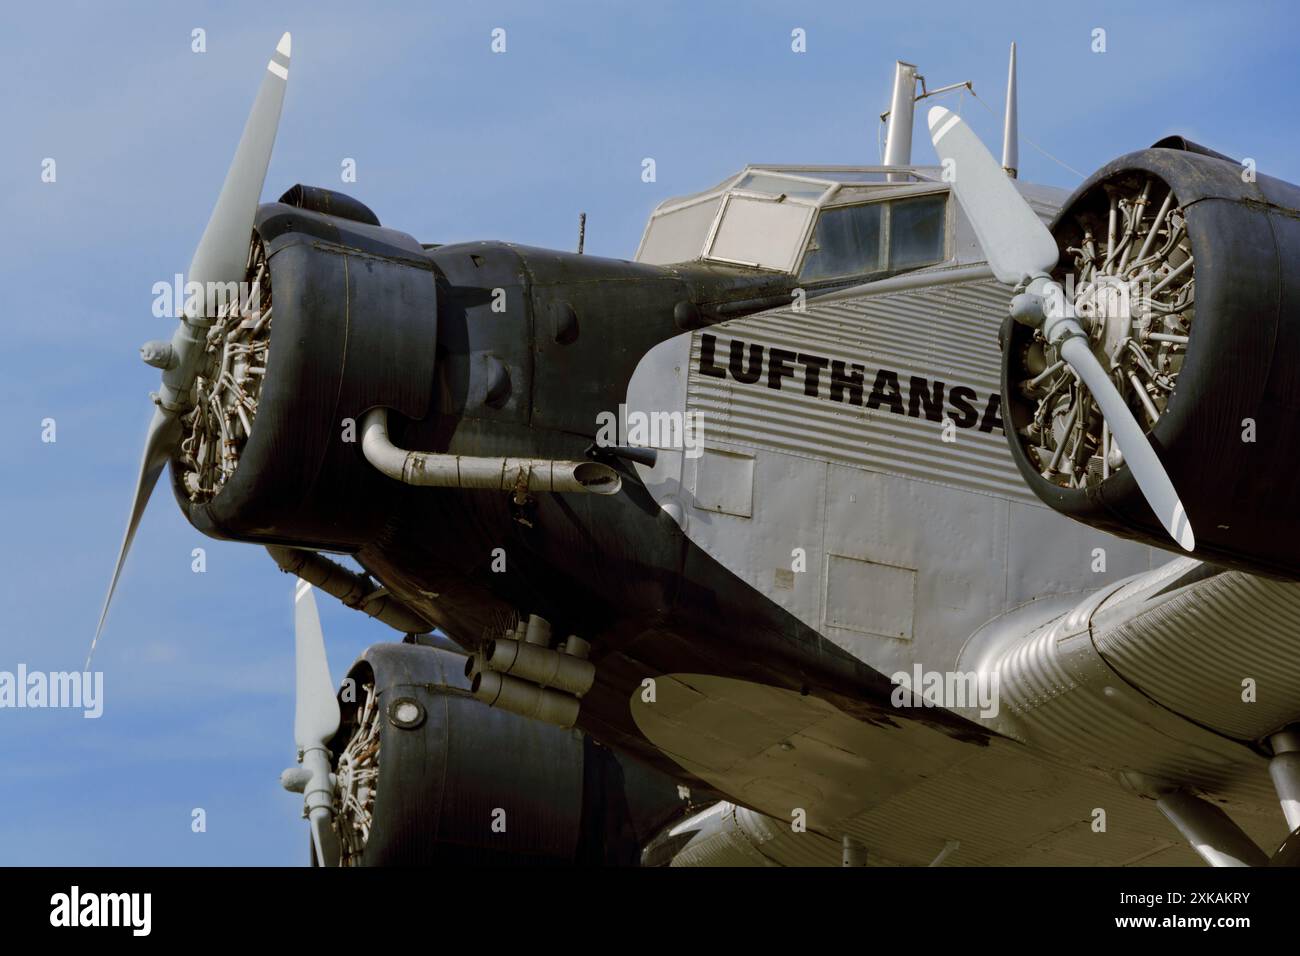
{"x":835,"y":527}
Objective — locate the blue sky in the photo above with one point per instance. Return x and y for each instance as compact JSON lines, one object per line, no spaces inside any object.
{"x":451,"y":142}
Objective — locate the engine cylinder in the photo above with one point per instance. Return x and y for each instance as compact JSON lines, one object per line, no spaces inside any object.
{"x":1185,"y":269}
{"x":350,"y":315}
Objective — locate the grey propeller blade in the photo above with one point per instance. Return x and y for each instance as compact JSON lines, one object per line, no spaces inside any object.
{"x":316,"y":710}
{"x":221,"y":256}
{"x":1013,"y":238}
{"x":223,"y":250}
{"x":1138,"y":453}
{"x":1020,"y":248}
{"x":315,"y":721}
{"x":164,"y":431}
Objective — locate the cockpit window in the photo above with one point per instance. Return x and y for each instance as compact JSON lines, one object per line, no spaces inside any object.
{"x":916,"y":231}
{"x":677,"y":235}
{"x":889,"y":235}
{"x":835,"y":220}
{"x":845,"y":241}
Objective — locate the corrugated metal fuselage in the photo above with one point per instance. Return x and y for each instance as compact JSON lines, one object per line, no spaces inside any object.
{"x":847,"y":516}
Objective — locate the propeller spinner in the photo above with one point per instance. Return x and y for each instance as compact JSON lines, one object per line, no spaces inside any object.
{"x":220,"y":257}
{"x":1022,"y":253}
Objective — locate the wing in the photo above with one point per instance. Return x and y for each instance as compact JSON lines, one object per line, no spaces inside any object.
{"x":1104,"y":704}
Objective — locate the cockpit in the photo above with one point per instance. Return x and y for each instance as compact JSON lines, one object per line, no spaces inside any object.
{"x":820,"y":223}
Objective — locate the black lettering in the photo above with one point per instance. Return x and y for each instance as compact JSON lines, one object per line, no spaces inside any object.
{"x":960,"y":398}
{"x":992,"y":414}
{"x":747,"y":376}
{"x":812,"y":368}
{"x":918,"y":394}
{"x":885,"y":379}
{"x":842,"y":379}
{"x":778,"y":367}
{"x":707,"y":366}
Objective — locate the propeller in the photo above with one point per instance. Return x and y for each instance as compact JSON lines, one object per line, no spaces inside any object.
{"x":221,"y":257}
{"x":315,"y":721}
{"x":1022,"y":253}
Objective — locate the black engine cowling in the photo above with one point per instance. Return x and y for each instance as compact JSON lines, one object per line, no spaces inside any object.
{"x":353,"y":325}
{"x":1226,"y":399}
{"x":450,"y":781}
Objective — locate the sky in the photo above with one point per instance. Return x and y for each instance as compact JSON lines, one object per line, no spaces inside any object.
{"x":451,"y":142}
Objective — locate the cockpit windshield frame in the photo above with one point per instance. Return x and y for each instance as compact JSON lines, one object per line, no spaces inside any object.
{"x":750,"y":220}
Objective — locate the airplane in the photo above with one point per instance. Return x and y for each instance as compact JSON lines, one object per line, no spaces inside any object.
{"x":870,"y":515}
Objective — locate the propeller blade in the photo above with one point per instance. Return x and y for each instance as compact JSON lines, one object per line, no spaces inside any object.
{"x":1019,"y":247}
{"x":164,"y":432}
{"x":1014,"y":239}
{"x":316,"y":709}
{"x":315,"y":721}
{"x":324,"y":839}
{"x":222,"y":252}
{"x":221,"y":256}
{"x":1138,"y":453}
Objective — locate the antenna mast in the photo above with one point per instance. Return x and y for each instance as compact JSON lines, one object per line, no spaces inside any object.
{"x":901,"y":114}
{"x":898,"y":135}
{"x":1010,"y":129}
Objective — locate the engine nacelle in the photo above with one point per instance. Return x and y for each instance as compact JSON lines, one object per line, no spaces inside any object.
{"x":1185,"y":270}
{"x":345,"y":320}
{"x":429,"y":775}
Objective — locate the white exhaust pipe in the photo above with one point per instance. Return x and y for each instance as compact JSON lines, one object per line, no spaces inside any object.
{"x":461,"y":471}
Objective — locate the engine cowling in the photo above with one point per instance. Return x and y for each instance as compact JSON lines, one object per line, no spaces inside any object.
{"x":1199,"y":324}
{"x":345,"y":319}
{"x":428,"y":775}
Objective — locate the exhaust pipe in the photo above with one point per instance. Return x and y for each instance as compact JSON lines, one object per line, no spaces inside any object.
{"x":354,"y":590}
{"x":543,"y":666}
{"x":431,"y":470}
{"x":527,"y":700}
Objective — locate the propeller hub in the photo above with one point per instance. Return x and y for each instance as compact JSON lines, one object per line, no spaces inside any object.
{"x":158,"y":354}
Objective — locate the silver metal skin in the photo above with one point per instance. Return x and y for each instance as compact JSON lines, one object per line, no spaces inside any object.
{"x":220,"y":257}
{"x":1023,"y":253}
{"x":1214,"y":837}
{"x":1010,"y":126}
{"x":315,"y":721}
{"x":516,"y":475}
{"x":903,"y":283}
